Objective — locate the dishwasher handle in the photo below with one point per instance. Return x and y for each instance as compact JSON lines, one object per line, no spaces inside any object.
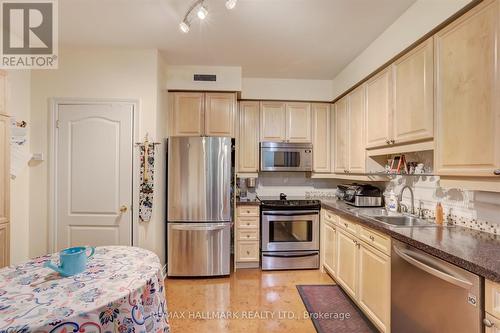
{"x":406,"y":255}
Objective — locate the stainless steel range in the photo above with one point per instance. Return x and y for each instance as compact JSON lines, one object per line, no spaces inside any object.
{"x":290,"y":234}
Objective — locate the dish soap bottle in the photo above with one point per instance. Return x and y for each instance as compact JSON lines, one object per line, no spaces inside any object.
{"x":392,"y":202}
{"x":439,"y":214}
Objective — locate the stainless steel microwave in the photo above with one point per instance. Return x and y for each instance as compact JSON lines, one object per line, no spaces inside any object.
{"x":285,"y":156}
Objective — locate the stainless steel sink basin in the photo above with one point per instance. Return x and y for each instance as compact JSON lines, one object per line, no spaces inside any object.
{"x":372,"y":212}
{"x":404,"y":221}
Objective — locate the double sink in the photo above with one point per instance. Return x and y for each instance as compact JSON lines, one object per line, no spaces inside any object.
{"x":392,"y":218}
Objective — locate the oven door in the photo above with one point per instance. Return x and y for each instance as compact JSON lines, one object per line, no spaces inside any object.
{"x":285,"y":159}
{"x":290,"y":230}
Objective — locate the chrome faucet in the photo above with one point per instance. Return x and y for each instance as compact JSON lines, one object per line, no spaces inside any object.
{"x":400,"y":198}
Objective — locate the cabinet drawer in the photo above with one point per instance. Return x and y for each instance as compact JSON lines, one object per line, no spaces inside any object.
{"x":495,"y":324}
{"x":247,"y":234}
{"x":347,"y":225}
{"x":247,"y":222}
{"x":247,"y":251}
{"x":248,"y":211}
{"x":375,"y":239}
{"x":330,"y":217}
{"x":492,"y":298}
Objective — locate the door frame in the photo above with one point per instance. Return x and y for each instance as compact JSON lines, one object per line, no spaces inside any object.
{"x":54,"y":104}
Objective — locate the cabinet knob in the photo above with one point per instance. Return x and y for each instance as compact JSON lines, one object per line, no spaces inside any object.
{"x":488,"y":323}
{"x":372,"y":238}
{"x":248,"y":252}
{"x":248,"y":212}
{"x":497,"y":172}
{"x":346,"y":225}
{"x":248,"y":236}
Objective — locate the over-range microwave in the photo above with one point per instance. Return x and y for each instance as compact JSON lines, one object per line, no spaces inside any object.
{"x":285,"y":156}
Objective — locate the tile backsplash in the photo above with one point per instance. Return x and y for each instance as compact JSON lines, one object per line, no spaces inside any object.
{"x":472,"y":209}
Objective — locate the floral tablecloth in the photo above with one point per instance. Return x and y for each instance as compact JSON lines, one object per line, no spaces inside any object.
{"x":121,"y":291}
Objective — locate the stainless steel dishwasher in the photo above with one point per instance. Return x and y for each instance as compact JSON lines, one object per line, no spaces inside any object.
{"x":430,"y":295}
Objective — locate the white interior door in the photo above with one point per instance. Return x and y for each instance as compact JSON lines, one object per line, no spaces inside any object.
{"x":94,"y":174}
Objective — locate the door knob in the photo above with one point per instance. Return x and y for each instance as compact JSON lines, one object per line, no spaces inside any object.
{"x":123,"y":209}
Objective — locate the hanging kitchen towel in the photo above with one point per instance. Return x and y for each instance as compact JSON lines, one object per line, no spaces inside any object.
{"x":147,"y":181}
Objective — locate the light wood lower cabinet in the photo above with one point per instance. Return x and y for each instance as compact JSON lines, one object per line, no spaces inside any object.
{"x":330,"y":248}
{"x":247,"y":237}
{"x":248,"y":137}
{"x":347,"y":262}
{"x":358,"y":266}
{"x":492,"y":306}
{"x":493,"y":324}
{"x":374,"y":283}
{"x":4,"y":245}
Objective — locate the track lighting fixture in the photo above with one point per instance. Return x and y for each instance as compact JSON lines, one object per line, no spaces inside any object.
{"x":201,"y":13}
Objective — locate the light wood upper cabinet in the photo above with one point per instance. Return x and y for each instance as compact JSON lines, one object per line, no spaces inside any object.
{"x":298,"y":122}
{"x":220,"y":114}
{"x":356,"y":129}
{"x":198,"y":113}
{"x":374,"y":287}
{"x":341,"y":138}
{"x":379,"y":109}
{"x":321,"y":137}
{"x":186,"y":114}
{"x":285,"y":122}
{"x":4,"y":169}
{"x":413,"y":94}
{"x":467,"y":94}
{"x":248,"y":138}
{"x":330,"y":248}
{"x":272,"y":121}
{"x":347,"y":262}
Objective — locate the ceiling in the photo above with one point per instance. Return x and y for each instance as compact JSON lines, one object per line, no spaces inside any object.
{"x":307,"y":39}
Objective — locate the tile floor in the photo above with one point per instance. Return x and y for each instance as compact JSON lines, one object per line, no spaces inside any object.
{"x":258,"y":302}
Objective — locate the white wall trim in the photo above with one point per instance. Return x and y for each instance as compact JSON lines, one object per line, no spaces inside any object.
{"x":52,"y":162}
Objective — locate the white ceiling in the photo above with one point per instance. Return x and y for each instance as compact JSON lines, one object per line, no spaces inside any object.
{"x":309,"y":39}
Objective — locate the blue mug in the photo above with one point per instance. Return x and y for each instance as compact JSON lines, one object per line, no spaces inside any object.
{"x":72,"y":260}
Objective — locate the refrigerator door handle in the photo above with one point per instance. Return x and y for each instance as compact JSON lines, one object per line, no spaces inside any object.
{"x":196,"y":228}
{"x":407,"y":256}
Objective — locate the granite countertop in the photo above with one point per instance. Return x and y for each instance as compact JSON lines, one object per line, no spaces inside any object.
{"x":247,"y":203}
{"x":473,"y":250}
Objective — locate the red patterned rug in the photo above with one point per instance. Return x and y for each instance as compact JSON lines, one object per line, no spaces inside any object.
{"x":332,"y":311}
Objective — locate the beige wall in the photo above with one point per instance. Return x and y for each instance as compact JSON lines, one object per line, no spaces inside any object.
{"x":419,"y":19}
{"x":18,"y":106}
{"x":286,"y":89}
{"x":95,"y":73}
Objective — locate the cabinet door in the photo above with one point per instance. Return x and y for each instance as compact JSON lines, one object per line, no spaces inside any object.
{"x":330,"y":248}
{"x":272,"y":121}
{"x":298,"y":122}
{"x":4,"y":169}
{"x":356,"y":131}
{"x":187,"y":114}
{"x":220,"y":111}
{"x":374,"y":286}
{"x":341,"y":139}
{"x":347,"y":262}
{"x":321,"y":137}
{"x":248,"y":137}
{"x":378,"y":109}
{"x":4,"y":245}
{"x":413,"y":117}
{"x":495,"y":324}
{"x":467,"y":98}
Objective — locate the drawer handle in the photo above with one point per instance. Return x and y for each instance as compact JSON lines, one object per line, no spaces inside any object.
{"x":497,"y":172}
{"x":248,"y":252}
{"x":372,"y":238}
{"x":346,"y":225}
{"x":248,"y":236}
{"x":248,"y":223}
{"x":488,"y":323}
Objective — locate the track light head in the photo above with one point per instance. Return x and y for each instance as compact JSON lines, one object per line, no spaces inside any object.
{"x":230,"y":4}
{"x":184,"y":27}
{"x":202,"y":12}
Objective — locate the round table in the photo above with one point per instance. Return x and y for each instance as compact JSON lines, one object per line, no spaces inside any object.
{"x":121,"y":291}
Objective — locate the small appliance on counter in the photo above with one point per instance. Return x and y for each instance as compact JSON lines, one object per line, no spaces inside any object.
{"x":360,"y":195}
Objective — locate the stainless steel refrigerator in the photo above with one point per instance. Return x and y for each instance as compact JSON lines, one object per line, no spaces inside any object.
{"x":198,"y":206}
